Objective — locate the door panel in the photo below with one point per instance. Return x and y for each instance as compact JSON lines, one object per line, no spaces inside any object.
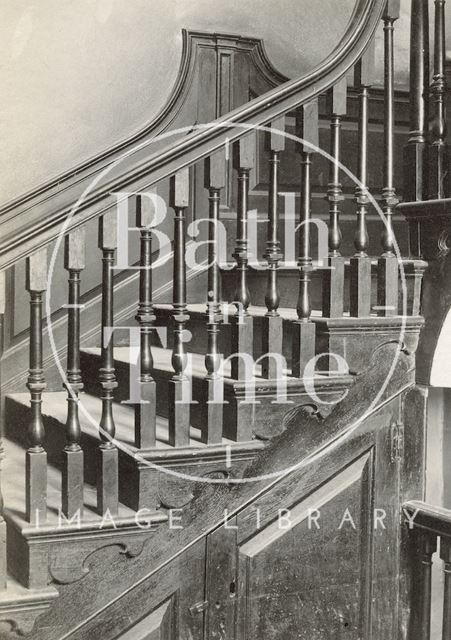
{"x":300,"y":576}
{"x":316,"y":556}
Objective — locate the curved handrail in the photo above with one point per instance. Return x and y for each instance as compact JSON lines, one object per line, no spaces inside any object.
{"x":38,"y":226}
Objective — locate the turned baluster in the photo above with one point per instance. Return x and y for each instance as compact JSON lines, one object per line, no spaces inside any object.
{"x":333,"y":280}
{"x":438,"y":152}
{"x":303,"y":327}
{"x":445,"y":554}
{"x":3,"y":560}
{"x":36,"y":457}
{"x":415,"y":152}
{"x":242,"y":324}
{"x":360,"y":267}
{"x":272,"y":327}
{"x":425,"y":545}
{"x":179,"y":385}
{"x":215,"y":180}
{"x":387,"y":269}
{"x":107,"y":487}
{"x":145,"y":412}
{"x":72,"y":476}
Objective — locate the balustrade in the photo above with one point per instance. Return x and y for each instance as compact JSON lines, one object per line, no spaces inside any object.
{"x":72,"y":477}
{"x":242,"y":324}
{"x":360,"y":269}
{"x":107,"y":478}
{"x":181,"y":416}
{"x":145,"y":411}
{"x":387,"y":285}
{"x":333,"y":280}
{"x":304,"y":328}
{"x":36,"y":456}
{"x":179,"y":385}
{"x":438,"y":150}
{"x":215,"y":181}
{"x":272,"y":336}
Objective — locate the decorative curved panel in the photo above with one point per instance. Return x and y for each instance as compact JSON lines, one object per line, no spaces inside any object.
{"x":217,"y":73}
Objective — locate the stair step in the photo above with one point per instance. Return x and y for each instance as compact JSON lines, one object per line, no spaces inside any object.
{"x":141,"y":484}
{"x":265,"y":417}
{"x":21,"y":606}
{"x":163,"y":361}
{"x":54,"y":410}
{"x":13,"y":488}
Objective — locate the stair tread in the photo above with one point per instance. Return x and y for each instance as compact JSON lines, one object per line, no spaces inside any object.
{"x":13,"y":488}
{"x":54,"y":405}
{"x":162,"y":362}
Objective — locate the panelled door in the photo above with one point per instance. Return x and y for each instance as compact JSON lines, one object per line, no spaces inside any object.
{"x":317,"y":557}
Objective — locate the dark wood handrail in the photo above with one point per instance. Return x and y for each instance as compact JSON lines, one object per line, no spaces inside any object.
{"x":428,"y":517}
{"x":37,"y":226}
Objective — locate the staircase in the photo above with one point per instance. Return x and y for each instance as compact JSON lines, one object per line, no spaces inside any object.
{"x":261,"y":382}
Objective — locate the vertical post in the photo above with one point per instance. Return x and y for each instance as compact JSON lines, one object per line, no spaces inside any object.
{"x":72,"y":476}
{"x":415,"y":152}
{"x":272,"y":329}
{"x":36,"y":457}
{"x":242,"y":323}
{"x":179,"y":385}
{"x":145,"y":412}
{"x":360,"y":269}
{"x":425,"y":545}
{"x":303,"y":327}
{"x":438,"y":152}
{"x":3,"y":560}
{"x":445,"y":554}
{"x":387,"y":276}
{"x":333,"y":280}
{"x":215,"y":180}
{"x":108,"y":486}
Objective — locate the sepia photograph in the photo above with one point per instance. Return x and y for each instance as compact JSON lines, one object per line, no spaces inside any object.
{"x":225,"y":323}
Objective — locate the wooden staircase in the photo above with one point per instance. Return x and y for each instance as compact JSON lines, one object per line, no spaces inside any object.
{"x":262,"y":386}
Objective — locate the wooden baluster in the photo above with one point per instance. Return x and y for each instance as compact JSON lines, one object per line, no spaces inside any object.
{"x":145,"y":412}
{"x":415,"y":152}
{"x":36,"y":457}
{"x":333,"y":280}
{"x":215,"y":180}
{"x":108,"y":486}
{"x":179,"y":385}
{"x":360,"y":268}
{"x":304,"y":328}
{"x":425,"y":546}
{"x":272,"y":328}
{"x":445,"y":554}
{"x":438,"y":152}
{"x":242,"y":324}
{"x":72,"y":476}
{"x":3,"y":560}
{"x":387,"y":276}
